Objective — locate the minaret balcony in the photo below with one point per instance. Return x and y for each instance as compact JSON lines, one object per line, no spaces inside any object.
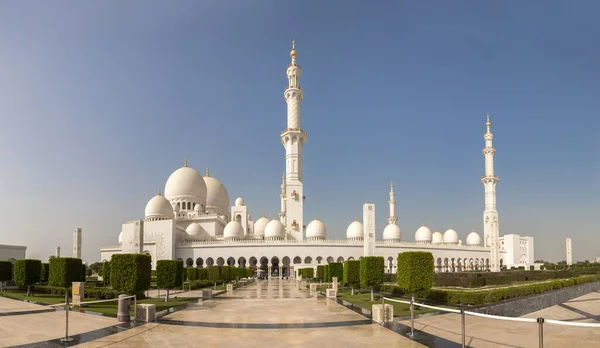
{"x":298,"y":130}
{"x":489,"y":178}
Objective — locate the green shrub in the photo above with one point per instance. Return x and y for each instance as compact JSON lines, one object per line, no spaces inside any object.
{"x":226,"y":273}
{"x":371,"y":272}
{"x":336,"y":269}
{"x":169,"y":274}
{"x":83,"y":272}
{"x":106,"y":273}
{"x":64,"y":271}
{"x":27,"y":273}
{"x":309,"y":272}
{"x":351,"y":273}
{"x":6,"y":273}
{"x":214,"y":273}
{"x":249,"y":273}
{"x":202,"y":274}
{"x":191,"y":273}
{"x":326,"y":273}
{"x":415,"y":271}
{"x":130,"y":273}
{"x":44,"y":272}
{"x":320,"y":272}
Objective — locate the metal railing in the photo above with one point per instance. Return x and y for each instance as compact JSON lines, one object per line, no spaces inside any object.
{"x":68,"y":305}
{"x":540,"y":321}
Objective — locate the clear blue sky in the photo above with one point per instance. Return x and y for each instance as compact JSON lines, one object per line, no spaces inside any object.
{"x":101,"y":101}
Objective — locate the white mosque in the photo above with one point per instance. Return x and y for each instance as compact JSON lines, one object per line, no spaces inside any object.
{"x":194,"y":222}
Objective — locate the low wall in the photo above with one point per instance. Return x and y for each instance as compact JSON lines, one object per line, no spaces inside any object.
{"x":525,"y":305}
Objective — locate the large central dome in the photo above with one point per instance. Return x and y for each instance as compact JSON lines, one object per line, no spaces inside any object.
{"x":186,"y":184}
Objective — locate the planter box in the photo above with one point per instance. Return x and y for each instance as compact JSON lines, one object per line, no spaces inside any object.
{"x":331,"y":293}
{"x":145,"y":312}
{"x":206,"y":293}
{"x":383,"y":314}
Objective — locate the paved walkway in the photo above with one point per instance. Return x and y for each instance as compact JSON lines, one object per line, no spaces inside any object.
{"x":445,"y":331}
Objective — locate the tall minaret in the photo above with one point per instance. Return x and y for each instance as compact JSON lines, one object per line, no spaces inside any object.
{"x":392,"y":218}
{"x":293,"y":139}
{"x":282,"y":196}
{"x":491,"y":230}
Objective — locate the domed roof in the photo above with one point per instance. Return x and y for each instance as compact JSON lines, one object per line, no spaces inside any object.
{"x":217,"y":198}
{"x":355,"y":230}
{"x":274,"y":230}
{"x":260,"y":225}
{"x":159,"y":207}
{"x":437,"y":238}
{"x":316,"y":230}
{"x":239,"y":202}
{"x":473,"y":238}
{"x":450,"y":237}
{"x":196,"y":231}
{"x":392,"y":232}
{"x":233,"y":230}
{"x":121,"y":237}
{"x":423,"y":234}
{"x":186,"y":183}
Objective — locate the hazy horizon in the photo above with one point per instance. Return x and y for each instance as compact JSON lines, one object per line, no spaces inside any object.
{"x":101,"y":101}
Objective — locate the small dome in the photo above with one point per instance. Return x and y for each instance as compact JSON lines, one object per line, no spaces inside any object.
{"x":186,"y":183}
{"x":197,"y":208}
{"x":195,"y":231}
{"x":121,"y":237}
{"x":260,"y":225}
{"x":233,"y":230}
{"x":392,"y":232}
{"x":217,"y":198}
{"x":473,"y":239}
{"x":423,"y":235}
{"x":316,"y":230}
{"x":274,"y":230}
{"x":355,"y":230}
{"x":158,"y":207}
{"x":437,"y":238}
{"x":239,"y":202}
{"x":450,"y":237}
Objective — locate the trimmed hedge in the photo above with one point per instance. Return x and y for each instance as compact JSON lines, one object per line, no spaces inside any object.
{"x":27,"y":272}
{"x":130,"y":273}
{"x":320,"y":272}
{"x":106,"y":273}
{"x":44,"y":272}
{"x":226,"y":273}
{"x":202,"y":274}
{"x":64,"y":271}
{"x":326,"y":274}
{"x":415,"y":271}
{"x":307,"y":272}
{"x":214,"y":273}
{"x":169,"y":273}
{"x":83,"y":273}
{"x":249,"y":273}
{"x":479,"y":279}
{"x":336,"y":269}
{"x":6,"y":271}
{"x":351,"y":273}
{"x":191,"y":273}
{"x":371,"y":271}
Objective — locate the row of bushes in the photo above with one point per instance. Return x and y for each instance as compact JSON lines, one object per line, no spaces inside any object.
{"x":95,"y":293}
{"x":476,"y":279}
{"x":308,"y":273}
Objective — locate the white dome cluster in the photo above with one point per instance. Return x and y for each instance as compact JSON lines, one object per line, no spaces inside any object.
{"x":260,"y":226}
{"x":316,"y":230}
{"x":392,"y":233}
{"x":450,"y":237}
{"x":355,"y":231}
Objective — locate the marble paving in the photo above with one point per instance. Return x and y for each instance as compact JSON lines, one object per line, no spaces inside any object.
{"x":445,"y":330}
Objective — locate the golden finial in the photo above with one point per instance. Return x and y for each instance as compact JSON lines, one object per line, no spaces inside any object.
{"x":355,"y":219}
{"x":185,"y":162}
{"x":392,"y":184}
{"x":293,"y":52}
{"x":159,"y":192}
{"x":264,"y":214}
{"x":488,"y":123}
{"x":207,"y":173}
{"x":316,"y":217}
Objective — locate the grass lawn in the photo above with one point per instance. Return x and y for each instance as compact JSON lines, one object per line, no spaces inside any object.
{"x":363,"y":300}
{"x":110,"y":308}
{"x":44,"y":299}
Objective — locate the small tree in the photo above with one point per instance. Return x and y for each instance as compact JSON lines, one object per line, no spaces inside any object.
{"x":190,"y":272}
{"x":321,"y":272}
{"x":6,"y":273}
{"x":415,"y":272}
{"x":27,"y":273}
{"x":130,"y":273}
{"x":326,"y":274}
{"x":352,"y":273}
{"x":371,"y":272}
{"x":63,"y":272}
{"x":169,"y":274}
{"x":45,"y":272}
{"x":336,"y":269}
{"x":202,"y":274}
{"x":214,"y":273}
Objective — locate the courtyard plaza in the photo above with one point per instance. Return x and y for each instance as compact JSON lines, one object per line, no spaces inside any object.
{"x":274,"y":313}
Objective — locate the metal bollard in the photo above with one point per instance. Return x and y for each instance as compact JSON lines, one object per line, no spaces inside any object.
{"x":412,"y":317}
{"x":462,"y":323}
{"x":541,"y":331}
{"x":123,"y":309}
{"x":66,"y":338}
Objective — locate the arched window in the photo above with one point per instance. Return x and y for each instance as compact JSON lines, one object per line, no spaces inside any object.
{"x":297,"y":260}
{"x":199,"y":262}
{"x":307,"y":260}
{"x":189,"y":262}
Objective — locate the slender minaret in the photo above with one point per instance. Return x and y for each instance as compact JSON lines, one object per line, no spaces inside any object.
{"x":282,"y":196}
{"x":569,"y":252}
{"x":293,"y":139}
{"x":77,"y":243}
{"x":491,"y":230}
{"x":392,"y":218}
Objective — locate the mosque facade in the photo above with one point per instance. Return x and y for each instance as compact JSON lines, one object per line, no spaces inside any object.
{"x":194,"y":221}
